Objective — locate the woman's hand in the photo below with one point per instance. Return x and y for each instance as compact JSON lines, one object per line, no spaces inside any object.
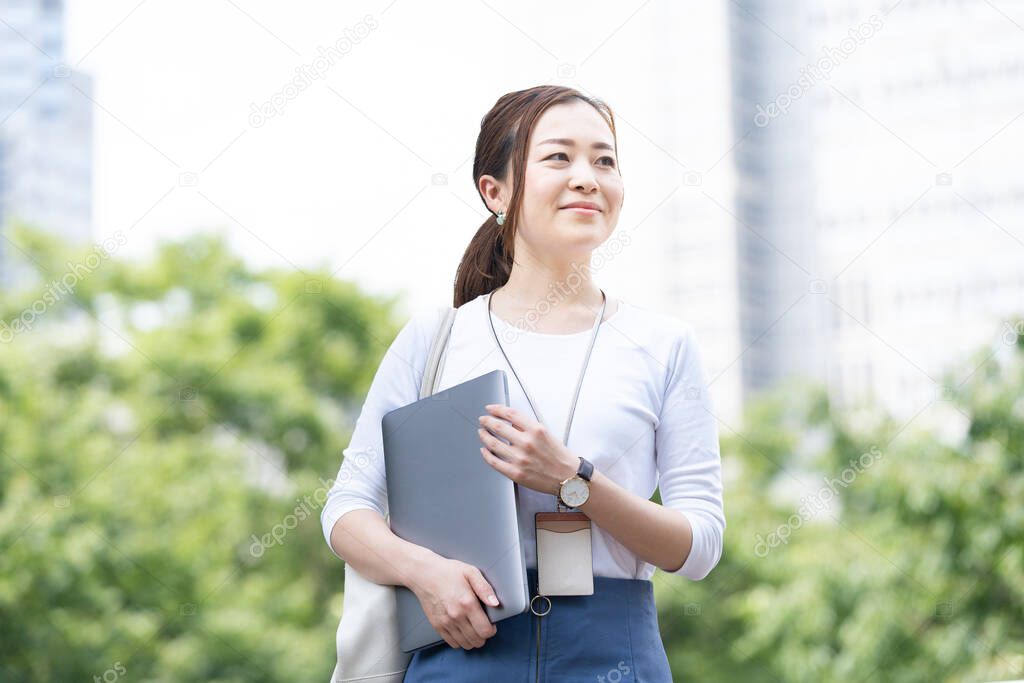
{"x":533,"y":457}
{"x":450,"y":593}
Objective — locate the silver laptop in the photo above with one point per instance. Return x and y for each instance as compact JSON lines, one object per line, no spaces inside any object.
{"x":444,"y":496}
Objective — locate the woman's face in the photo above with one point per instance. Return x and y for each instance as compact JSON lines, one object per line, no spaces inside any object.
{"x":571,"y":159}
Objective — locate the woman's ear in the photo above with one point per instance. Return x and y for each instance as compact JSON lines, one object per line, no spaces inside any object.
{"x":494,"y":193}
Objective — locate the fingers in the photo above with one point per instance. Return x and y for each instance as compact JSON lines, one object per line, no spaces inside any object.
{"x":459,"y":627}
{"x":469,"y":637}
{"x":483,"y":590}
{"x":468,"y":624}
{"x":517,"y":419}
{"x":498,"y":464}
{"x":499,"y":431}
{"x":480,"y":586}
{"x":445,"y":620}
{"x":438,"y":619}
{"x":448,"y":637}
{"x":457,"y":634}
{"x":495,"y":445}
{"x":461,"y":621}
{"x":488,"y":439}
{"x":481,"y":625}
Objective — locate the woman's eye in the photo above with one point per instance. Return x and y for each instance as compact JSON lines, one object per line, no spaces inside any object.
{"x":563,"y":154}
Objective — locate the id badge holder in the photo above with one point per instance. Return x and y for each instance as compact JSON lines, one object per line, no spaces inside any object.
{"x":565,"y":562}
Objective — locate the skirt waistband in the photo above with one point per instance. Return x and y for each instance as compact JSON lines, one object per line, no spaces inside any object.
{"x":612,"y":635}
{"x":603,"y":585}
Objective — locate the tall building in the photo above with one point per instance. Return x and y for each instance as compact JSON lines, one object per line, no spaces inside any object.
{"x":45,"y":128}
{"x":778,"y":257}
{"x":878,"y":211}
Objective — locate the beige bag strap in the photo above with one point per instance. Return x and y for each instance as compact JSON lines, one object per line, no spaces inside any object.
{"x":367,"y":637}
{"x":437,"y":355}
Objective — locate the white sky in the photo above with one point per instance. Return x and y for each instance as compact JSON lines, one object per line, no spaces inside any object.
{"x":343,"y":177}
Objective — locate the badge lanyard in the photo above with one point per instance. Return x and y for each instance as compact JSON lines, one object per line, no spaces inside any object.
{"x":579,"y":381}
{"x":565,"y":440}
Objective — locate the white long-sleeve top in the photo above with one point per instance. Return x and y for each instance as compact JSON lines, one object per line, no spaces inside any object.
{"x":644,"y":418}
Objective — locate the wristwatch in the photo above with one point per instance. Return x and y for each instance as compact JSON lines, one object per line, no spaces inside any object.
{"x":575,"y":491}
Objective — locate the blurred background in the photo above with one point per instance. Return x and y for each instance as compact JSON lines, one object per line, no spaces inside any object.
{"x":215,"y":217}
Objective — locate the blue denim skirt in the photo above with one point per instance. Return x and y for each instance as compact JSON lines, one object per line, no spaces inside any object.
{"x":611,"y":636}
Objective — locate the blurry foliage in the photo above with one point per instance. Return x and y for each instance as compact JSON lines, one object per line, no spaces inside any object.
{"x":913,"y":572}
{"x":137,"y":415}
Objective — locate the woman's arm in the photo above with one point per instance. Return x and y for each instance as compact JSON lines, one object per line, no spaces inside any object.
{"x":364,"y":540}
{"x":353,"y":516}
{"x":657,"y":534}
{"x":684,"y":535}
{"x":688,"y":462}
{"x":449,"y":591}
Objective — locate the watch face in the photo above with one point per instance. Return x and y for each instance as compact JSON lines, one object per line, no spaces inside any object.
{"x":575,"y":492}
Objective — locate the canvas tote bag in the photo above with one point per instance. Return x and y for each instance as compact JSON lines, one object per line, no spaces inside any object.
{"x":367,"y":637}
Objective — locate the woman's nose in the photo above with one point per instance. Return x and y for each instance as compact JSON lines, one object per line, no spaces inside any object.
{"x":584,"y":181}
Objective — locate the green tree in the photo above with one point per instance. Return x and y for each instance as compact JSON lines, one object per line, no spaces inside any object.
{"x":157,"y":422}
{"x":914,"y":571}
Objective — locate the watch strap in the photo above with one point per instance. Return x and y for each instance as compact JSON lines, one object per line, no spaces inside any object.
{"x":586,"y":469}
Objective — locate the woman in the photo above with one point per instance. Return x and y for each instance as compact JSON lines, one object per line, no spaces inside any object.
{"x":641,"y":419}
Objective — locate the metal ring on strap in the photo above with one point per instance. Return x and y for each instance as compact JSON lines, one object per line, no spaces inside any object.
{"x":540,"y":614}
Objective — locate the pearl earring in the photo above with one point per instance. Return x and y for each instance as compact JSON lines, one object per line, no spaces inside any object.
{"x":501,"y":218}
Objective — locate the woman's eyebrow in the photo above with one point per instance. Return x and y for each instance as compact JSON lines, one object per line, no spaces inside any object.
{"x":572,"y":143}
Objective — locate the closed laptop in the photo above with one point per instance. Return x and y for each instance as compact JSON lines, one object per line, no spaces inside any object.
{"x":444,"y":496}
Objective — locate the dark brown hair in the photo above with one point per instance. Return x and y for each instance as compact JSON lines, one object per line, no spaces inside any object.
{"x":501,"y":147}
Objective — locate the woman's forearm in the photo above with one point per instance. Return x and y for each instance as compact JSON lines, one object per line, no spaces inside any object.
{"x":657,"y":534}
{"x":364,"y":540}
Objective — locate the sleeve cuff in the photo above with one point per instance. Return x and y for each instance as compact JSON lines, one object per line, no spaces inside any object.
{"x":331,"y":515}
{"x":705,"y":551}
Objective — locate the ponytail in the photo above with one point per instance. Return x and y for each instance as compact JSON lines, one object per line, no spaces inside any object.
{"x":486,"y":264}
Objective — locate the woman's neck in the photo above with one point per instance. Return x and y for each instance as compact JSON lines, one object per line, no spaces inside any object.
{"x":550,"y":301}
{"x":571,"y":290}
